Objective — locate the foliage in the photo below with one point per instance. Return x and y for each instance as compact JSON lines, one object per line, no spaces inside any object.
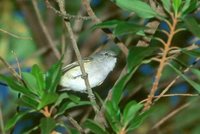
{"x":120,"y":111}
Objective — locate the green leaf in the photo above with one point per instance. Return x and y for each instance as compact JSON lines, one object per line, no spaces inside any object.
{"x":138,"y":120}
{"x":46,"y":99}
{"x":61,"y":98}
{"x":106,"y":24}
{"x":15,"y":85}
{"x":28,"y":102}
{"x":31,"y":82}
{"x":140,"y":8}
{"x":195,"y":52}
{"x":113,"y":115}
{"x":11,"y":122}
{"x":196,"y":72}
{"x":137,"y":55}
{"x":94,"y":127}
{"x":190,"y":6}
{"x":167,"y":5}
{"x":192,"y":83}
{"x":47,"y":125}
{"x":120,"y":85}
{"x":192,"y":25}
{"x":130,"y":112}
{"x":39,"y":75}
{"x":68,"y":105}
{"x":176,"y":5}
{"x":53,"y":76}
{"x":127,"y":28}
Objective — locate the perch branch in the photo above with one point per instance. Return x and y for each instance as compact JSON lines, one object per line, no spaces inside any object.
{"x":80,"y":62}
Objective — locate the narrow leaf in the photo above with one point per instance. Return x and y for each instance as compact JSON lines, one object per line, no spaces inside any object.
{"x":94,"y":127}
{"x":47,"y":125}
{"x":137,"y":55}
{"x":46,"y":99}
{"x":192,"y":25}
{"x":140,"y":8}
{"x":192,"y":83}
{"x":130,"y":111}
{"x":167,"y":5}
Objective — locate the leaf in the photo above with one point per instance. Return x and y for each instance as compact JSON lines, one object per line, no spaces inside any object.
{"x":61,"y":98}
{"x":140,"y":8}
{"x":193,"y":5}
{"x":68,"y":105}
{"x":196,"y":72}
{"x":176,"y":4}
{"x":28,"y":101}
{"x":120,"y":85}
{"x":192,"y":83}
{"x":137,"y":55}
{"x":47,"y":125}
{"x":39,"y":75}
{"x":195,"y":52}
{"x":127,"y":28}
{"x":167,"y":5}
{"x":94,"y":127}
{"x":113,"y":115}
{"x":53,"y":76}
{"x":192,"y":25}
{"x":31,"y":82}
{"x":106,"y":24}
{"x":138,"y":120}
{"x":11,"y":122}
{"x":130,"y":111}
{"x":14,"y":85}
{"x":46,"y":99}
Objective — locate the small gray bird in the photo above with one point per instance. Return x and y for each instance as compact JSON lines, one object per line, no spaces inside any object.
{"x":97,"y":66}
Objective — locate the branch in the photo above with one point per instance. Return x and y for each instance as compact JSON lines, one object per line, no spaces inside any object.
{"x":44,"y":29}
{"x":78,"y":55}
{"x":162,"y":63}
{"x":164,"y":119}
{"x":15,"y":36}
{"x":96,"y":20}
{"x":1,"y":122}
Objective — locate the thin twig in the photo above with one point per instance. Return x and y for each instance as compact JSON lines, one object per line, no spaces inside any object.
{"x":75,"y":123}
{"x":171,"y":95}
{"x":2,"y":122}
{"x":44,"y":29}
{"x":78,"y":55}
{"x":162,"y":63}
{"x":18,"y":65}
{"x":96,"y":20}
{"x":172,"y":82}
{"x":10,"y":69}
{"x":15,"y":36}
{"x":66,"y":16}
{"x":171,"y":114}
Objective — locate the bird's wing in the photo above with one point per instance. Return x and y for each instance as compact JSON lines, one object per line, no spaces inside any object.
{"x":74,"y":64}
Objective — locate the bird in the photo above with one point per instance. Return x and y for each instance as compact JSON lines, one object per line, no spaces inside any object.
{"x":97,"y":67}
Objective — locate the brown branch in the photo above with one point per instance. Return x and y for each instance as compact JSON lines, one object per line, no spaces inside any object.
{"x":171,"y":95}
{"x":11,"y":70}
{"x":78,"y":55}
{"x":95,"y":19}
{"x":170,"y":115}
{"x":15,"y":36}
{"x":2,"y":122}
{"x":171,"y":83}
{"x":75,"y":124}
{"x":44,"y":29}
{"x":162,"y":63}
